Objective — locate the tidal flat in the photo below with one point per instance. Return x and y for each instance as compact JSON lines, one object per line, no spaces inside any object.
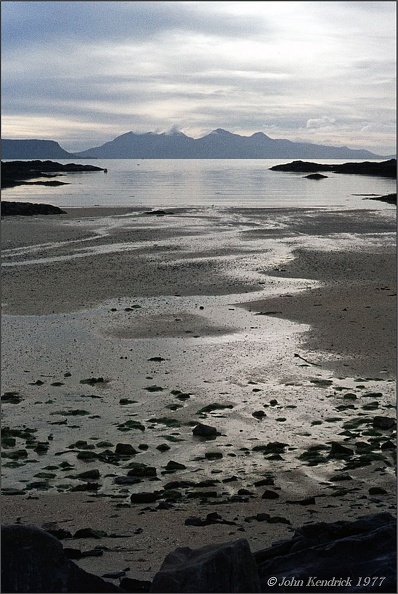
{"x":124,"y":329}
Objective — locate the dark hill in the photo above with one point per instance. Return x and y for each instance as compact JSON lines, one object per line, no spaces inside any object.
{"x":219,"y":144}
{"x":33,"y":149}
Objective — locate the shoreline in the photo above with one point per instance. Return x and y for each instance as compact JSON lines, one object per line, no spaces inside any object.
{"x":127,"y":288}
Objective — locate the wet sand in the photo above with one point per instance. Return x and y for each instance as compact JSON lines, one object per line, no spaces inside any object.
{"x":291,"y":313}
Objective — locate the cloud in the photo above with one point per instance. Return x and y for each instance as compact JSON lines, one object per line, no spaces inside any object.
{"x":306,"y":68}
{"x":323,"y":122}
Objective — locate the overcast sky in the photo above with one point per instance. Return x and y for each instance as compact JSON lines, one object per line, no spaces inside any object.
{"x":83,"y":73}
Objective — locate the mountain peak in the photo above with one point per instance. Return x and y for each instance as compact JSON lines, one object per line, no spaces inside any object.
{"x":221,"y":132}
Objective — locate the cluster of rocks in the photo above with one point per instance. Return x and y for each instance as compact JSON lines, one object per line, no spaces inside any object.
{"x":334,"y":557}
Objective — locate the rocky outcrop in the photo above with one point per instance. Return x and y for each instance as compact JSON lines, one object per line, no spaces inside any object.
{"x":15,"y":173}
{"x":228,"y":567}
{"x":32,"y":560}
{"x":358,"y":556}
{"x":340,"y":555}
{"x":27,"y":209}
{"x":382,"y":169}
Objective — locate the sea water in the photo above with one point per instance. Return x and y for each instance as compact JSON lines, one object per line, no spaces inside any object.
{"x":165,"y":183}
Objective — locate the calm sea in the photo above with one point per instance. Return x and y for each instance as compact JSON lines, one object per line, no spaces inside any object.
{"x":179,"y":182}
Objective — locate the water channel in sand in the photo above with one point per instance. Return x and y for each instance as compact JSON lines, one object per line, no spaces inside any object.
{"x":208,"y":350}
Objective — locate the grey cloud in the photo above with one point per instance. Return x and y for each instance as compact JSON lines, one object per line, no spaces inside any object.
{"x":31,"y":23}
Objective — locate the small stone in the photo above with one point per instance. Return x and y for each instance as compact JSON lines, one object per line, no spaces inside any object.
{"x":125,"y":449}
{"x":339,"y":451}
{"x":213,"y":455}
{"x":270,"y":495}
{"x":383,"y":422}
{"x":377,"y":491}
{"x":202,"y":430}
{"x":259,"y":414}
{"x":89,"y":533}
{"x":388,"y":445}
{"x":172,"y":465}
{"x":143,"y":497}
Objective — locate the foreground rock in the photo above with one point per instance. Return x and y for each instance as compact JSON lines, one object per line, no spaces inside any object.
{"x":27,"y":209}
{"x":228,"y":567}
{"x":34,"y":561}
{"x":383,"y":169}
{"x":340,"y":554}
{"x":358,"y":556}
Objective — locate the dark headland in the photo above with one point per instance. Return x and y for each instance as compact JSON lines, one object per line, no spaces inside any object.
{"x":382,"y":169}
{"x":16,"y":173}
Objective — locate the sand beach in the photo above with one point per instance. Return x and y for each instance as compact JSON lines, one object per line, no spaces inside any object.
{"x":123,"y":329}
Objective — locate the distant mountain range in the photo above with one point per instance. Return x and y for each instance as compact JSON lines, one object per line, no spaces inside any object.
{"x":219,"y":144}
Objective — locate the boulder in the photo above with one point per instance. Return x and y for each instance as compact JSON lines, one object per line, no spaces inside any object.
{"x":345,"y":551}
{"x":227,"y":567}
{"x":202,"y":430}
{"x":33,"y":560}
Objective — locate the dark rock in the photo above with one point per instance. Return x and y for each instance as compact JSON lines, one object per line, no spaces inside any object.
{"x":270,"y":495}
{"x":89,"y":474}
{"x":306,"y":501}
{"x":377,"y":491}
{"x":383,"y":169}
{"x":384,"y":423}
{"x":213,"y":455}
{"x":172,"y":465}
{"x":207,"y":431}
{"x":72,"y":553}
{"x":143,"y":497}
{"x":141,"y":470}
{"x":316,"y":176}
{"x":339,"y":451}
{"x":194,"y":521}
{"x":259,"y":414}
{"x":59,"y":533}
{"x":89,"y":533}
{"x":365,"y":547}
{"x":86,"y":487}
{"x":125,"y":449}
{"x":126,"y":480}
{"x":28,"y":209}
{"x":388,"y":445}
{"x":34,"y":561}
{"x":227,"y":567}
{"x":202,"y":494}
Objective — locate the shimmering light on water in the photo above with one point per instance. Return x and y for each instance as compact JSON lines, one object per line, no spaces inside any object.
{"x":171,"y":183}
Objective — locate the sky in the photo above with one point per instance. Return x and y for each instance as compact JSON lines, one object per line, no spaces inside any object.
{"x":82,"y":73}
